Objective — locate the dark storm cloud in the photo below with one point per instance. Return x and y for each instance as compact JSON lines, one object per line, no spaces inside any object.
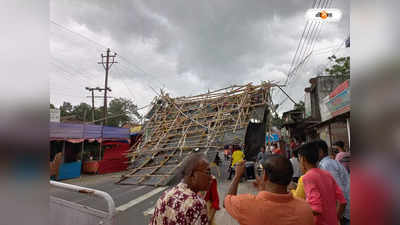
{"x":201,"y":44}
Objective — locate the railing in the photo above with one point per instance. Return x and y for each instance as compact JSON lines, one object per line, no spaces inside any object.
{"x":63,"y":212}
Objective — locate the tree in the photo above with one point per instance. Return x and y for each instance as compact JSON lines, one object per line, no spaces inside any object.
{"x":340,"y":67}
{"x":99,"y":114}
{"x":66,"y":109}
{"x":52,"y":106}
{"x":122,"y":110}
{"x":79,"y":112}
{"x":277,"y":121}
{"x":299,"y":106}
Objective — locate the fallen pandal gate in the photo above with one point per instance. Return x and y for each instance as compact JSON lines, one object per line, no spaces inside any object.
{"x":178,"y":127}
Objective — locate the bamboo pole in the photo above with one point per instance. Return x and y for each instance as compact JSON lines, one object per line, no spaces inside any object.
{"x":187,"y":131}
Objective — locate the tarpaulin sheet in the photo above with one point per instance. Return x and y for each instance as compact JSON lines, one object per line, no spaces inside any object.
{"x":114,"y":159}
{"x":70,"y":170}
{"x":115,"y":132}
{"x":92,"y":131}
{"x":86,"y":131}
{"x":65,"y":130}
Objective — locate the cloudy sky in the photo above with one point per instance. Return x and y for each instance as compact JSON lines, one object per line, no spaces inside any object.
{"x":184,"y":47}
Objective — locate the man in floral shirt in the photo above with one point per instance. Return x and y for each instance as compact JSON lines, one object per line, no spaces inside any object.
{"x":181,"y":205}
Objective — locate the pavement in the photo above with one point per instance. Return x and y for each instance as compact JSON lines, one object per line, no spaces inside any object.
{"x":135,"y":202}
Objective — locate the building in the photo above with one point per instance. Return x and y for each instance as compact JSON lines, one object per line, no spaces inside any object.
{"x":332,"y":108}
{"x":326,"y":114}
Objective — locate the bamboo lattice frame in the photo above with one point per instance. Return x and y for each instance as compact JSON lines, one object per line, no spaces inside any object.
{"x":176,"y":126}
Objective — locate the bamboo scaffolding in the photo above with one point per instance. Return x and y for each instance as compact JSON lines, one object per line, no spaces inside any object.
{"x":179,"y":125}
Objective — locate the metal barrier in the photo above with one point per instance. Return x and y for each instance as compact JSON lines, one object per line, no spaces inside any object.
{"x":64,"y":212}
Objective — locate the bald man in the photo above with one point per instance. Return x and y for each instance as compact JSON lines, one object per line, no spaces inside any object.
{"x":181,"y":205}
{"x":273,"y":204}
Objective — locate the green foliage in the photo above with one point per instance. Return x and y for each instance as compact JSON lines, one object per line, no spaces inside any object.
{"x":340,"y":67}
{"x":299,"y":106}
{"x":82,"y":112}
{"x":66,"y":109}
{"x":52,"y":106}
{"x":120,"y":111}
{"x":277,"y":121}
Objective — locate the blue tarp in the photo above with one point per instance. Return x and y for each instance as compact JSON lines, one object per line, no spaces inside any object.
{"x":114,"y":132}
{"x":93,"y":131}
{"x":86,"y":131}
{"x":65,"y":130}
{"x":69,"y":170}
{"x":273,"y":138}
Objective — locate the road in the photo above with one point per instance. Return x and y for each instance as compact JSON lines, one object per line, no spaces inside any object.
{"x":133,"y":201}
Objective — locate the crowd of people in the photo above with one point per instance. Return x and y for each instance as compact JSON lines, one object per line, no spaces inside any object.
{"x":310,"y":187}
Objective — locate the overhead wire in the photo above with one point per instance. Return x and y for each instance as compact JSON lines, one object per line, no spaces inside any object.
{"x":103,"y":46}
{"x":310,"y":39}
{"x":301,"y":58}
{"x":298,"y":59}
{"x":304,"y":37}
{"x":300,"y":41}
{"x":62,"y":66}
{"x":315,"y":39}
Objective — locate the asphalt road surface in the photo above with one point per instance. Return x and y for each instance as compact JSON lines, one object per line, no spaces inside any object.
{"x":135,"y":203}
{"x":131,"y":201}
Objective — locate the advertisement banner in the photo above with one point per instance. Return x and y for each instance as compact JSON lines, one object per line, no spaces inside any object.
{"x":337,"y":102}
{"x":272,"y":138}
{"x":55,"y":115}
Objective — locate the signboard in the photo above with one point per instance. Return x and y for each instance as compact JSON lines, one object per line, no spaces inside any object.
{"x":272,"y":138}
{"x":55,"y":115}
{"x":135,"y":129}
{"x":337,"y":102}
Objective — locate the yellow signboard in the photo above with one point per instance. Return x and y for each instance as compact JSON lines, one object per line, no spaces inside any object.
{"x":136,"y":129}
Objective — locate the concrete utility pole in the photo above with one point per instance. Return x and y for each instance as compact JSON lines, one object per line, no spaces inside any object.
{"x":107,"y":66}
{"x":92,"y":92}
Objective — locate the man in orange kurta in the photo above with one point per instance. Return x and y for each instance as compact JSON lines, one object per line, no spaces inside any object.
{"x":273,"y":204}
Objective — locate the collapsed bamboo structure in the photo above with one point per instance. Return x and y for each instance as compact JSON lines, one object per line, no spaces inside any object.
{"x":177,"y":127}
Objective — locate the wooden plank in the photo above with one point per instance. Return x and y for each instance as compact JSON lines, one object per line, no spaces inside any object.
{"x":157,"y":168}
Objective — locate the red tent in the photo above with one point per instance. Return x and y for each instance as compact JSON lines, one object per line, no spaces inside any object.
{"x":114,"y":159}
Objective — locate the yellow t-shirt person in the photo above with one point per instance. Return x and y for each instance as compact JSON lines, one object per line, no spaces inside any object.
{"x":299,"y":192}
{"x":237,"y":156}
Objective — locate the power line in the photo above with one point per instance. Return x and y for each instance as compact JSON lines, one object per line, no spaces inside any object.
{"x":62,"y":68}
{"x":118,"y":72}
{"x":120,"y":56}
{"x":310,"y":39}
{"x":326,"y":65}
{"x":140,"y":69}
{"x":63,"y":94}
{"x":319,"y":28}
{"x":301,"y":41}
{"x":81,"y":76}
{"x":84,"y":37}
{"x":109,"y":117}
{"x":102,"y":45}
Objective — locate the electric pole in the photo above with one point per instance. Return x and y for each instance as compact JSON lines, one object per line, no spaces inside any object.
{"x":92,"y":92}
{"x":107,"y":66}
